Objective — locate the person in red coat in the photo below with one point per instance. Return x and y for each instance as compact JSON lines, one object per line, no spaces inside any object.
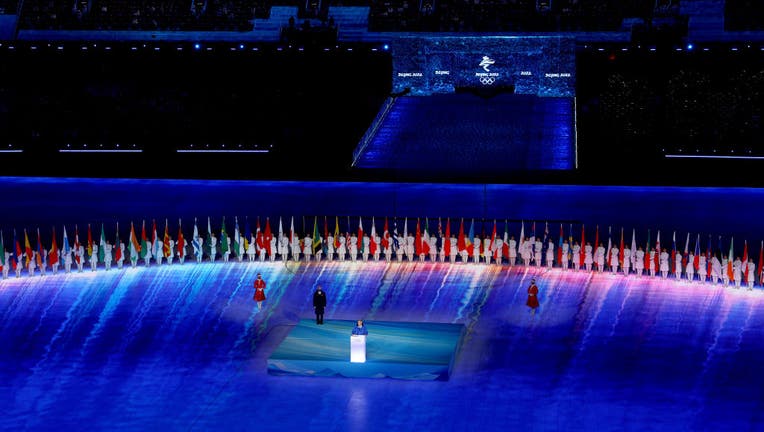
{"x":259,"y":291}
{"x":533,"y":297}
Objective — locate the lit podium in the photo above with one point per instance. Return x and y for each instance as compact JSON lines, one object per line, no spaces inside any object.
{"x":358,"y":349}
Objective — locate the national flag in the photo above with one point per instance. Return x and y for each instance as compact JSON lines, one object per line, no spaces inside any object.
{"x":90,"y":243}
{"x":686,"y":251}
{"x":447,"y":240}
{"x":102,"y":246}
{"x":268,"y":235}
{"x":418,"y":240}
{"x":117,"y":247}
{"x":259,"y":237}
{"x":533,"y":232}
{"x":461,"y":242}
{"x":65,"y":246}
{"x":27,"y":249}
{"x":439,"y":236}
{"x":196,"y":241}
{"x":154,"y":239}
{"x":546,"y":236}
{"x":657,"y":250}
{"x":708,"y":255}
{"x":385,"y":236}
{"x":758,"y":270}
{"x":730,"y":275}
{"x":620,"y":250}
{"x":291,"y":232}
{"x":647,"y":251}
{"x":39,"y":250}
{"x":696,"y":258}
{"x":505,"y":246}
{"x":52,"y":256}
{"x":745,"y":261}
{"x":15,"y":251}
{"x":166,"y":252}
{"x":596,"y":239}
{"x":373,"y":242}
{"x":673,"y":253}
{"x":470,"y":236}
{"x":425,"y":238}
{"x":224,"y":237}
{"x":719,"y":245}
{"x":609,"y":246}
{"x":208,"y":242}
{"x":359,"y":240}
{"x":281,"y":230}
{"x":247,"y":234}
{"x":135,"y":247}
{"x":633,"y":247}
{"x":559,"y":247}
{"x":144,"y":249}
{"x":337,"y":233}
{"x":236,"y":236}
{"x":317,"y":238}
{"x":405,"y":229}
{"x":77,"y":258}
{"x":492,"y":243}
{"x":325,"y":243}
{"x":181,"y":242}
{"x":582,"y":255}
{"x":2,"y":252}
{"x":522,"y":235}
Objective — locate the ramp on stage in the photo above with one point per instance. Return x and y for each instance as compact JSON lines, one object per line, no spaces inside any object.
{"x":402,"y":350}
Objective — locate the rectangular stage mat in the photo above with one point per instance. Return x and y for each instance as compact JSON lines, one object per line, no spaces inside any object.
{"x":401,"y":350}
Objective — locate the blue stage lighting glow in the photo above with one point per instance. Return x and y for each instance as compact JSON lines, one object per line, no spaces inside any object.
{"x":197,"y":46}
{"x":386,"y":47}
{"x":689,"y":47}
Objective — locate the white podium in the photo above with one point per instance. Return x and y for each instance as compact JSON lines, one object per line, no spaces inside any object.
{"x":357,"y":349}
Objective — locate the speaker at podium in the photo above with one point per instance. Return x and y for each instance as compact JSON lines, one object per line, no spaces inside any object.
{"x":358,"y":343}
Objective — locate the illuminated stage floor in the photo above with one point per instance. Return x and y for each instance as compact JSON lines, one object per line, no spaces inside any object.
{"x":185,"y":348}
{"x":402,"y":350}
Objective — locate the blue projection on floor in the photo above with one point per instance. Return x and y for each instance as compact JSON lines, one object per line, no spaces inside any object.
{"x":185,"y":348}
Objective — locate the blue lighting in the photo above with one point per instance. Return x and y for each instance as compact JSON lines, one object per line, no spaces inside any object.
{"x":241,"y":46}
{"x":197,"y":46}
{"x":689,"y":47}
{"x":386,"y":47}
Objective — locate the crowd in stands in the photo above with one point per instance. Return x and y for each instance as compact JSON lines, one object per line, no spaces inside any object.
{"x":230,"y":15}
{"x":618,"y":255}
{"x":384,"y":15}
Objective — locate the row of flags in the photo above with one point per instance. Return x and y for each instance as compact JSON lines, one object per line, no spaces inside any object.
{"x":144,"y":245}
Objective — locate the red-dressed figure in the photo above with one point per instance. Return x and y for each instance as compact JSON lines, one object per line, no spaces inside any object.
{"x":533,"y":297}
{"x":259,"y":291}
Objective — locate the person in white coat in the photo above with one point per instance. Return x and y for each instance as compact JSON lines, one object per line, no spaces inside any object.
{"x":453,"y":242}
{"x":433,"y":243}
{"x":476,"y":250}
{"x":158,"y":252}
{"x":588,"y":256}
{"x":307,"y":248}
{"x":639,"y":261}
{"x":626,"y":260}
{"x":273,"y":242}
{"x":171,"y":249}
{"x":512,"y":246}
{"x":6,"y":263}
{"x":678,"y":265}
{"x":576,"y":256}
{"x":410,"y":249}
{"x":148,"y":256}
{"x":353,"y":247}
{"x":599,"y":258}
{"x":79,"y":257}
{"x":121,"y":260}
{"x":365,"y":247}
{"x":614,"y":251}
{"x":319,"y":247}
{"x":54,"y":266}
{"x":565,"y":264}
{"x":690,"y":267}
{"x":388,"y":250}
{"x":751,"y":273}
{"x":737,"y":272}
{"x":295,"y":246}
{"x":32,"y":264}
{"x":702,"y":268}
{"x":716,"y":270}
{"x":108,"y":255}
{"x":550,"y":254}
{"x":651,"y":264}
{"x":537,"y":246}
{"x":227,"y":253}
{"x":330,"y":247}
{"x":213,"y":247}
{"x":664,"y":262}
{"x":724,"y":274}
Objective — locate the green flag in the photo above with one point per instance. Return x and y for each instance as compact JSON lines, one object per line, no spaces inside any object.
{"x":2,"y":252}
{"x":223,"y":239}
{"x":316,"y":241}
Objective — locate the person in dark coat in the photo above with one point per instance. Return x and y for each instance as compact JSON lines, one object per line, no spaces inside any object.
{"x":319,"y":304}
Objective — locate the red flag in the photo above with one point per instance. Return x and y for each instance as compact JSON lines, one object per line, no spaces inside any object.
{"x":53,"y":255}
{"x":181,"y":243}
{"x":596,"y":238}
{"x":385,"y":236}
{"x":620,"y":250}
{"x":372,"y":241}
{"x":745,"y":262}
{"x":90,"y":242}
{"x":657,"y":250}
{"x":583,"y":245}
{"x":76,"y":244}
{"x":269,"y":235}
{"x":493,"y":237}
{"x":418,"y":240}
{"x":19,"y":253}
{"x":359,"y":240}
{"x":166,"y":241}
{"x":461,"y":243}
{"x":259,"y":237}
{"x":761,"y":260}
{"x":39,"y":249}
{"x":326,"y":230}
{"x":559,"y":246}
{"x":447,"y":238}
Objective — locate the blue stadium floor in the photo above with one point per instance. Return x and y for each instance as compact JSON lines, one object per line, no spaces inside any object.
{"x":185,"y":348}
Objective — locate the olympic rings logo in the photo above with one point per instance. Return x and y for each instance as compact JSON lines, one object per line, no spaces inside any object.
{"x":487,"y":80}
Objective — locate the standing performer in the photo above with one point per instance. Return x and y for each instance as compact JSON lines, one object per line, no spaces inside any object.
{"x":319,"y":304}
{"x":533,"y":299}
{"x":259,"y":291}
